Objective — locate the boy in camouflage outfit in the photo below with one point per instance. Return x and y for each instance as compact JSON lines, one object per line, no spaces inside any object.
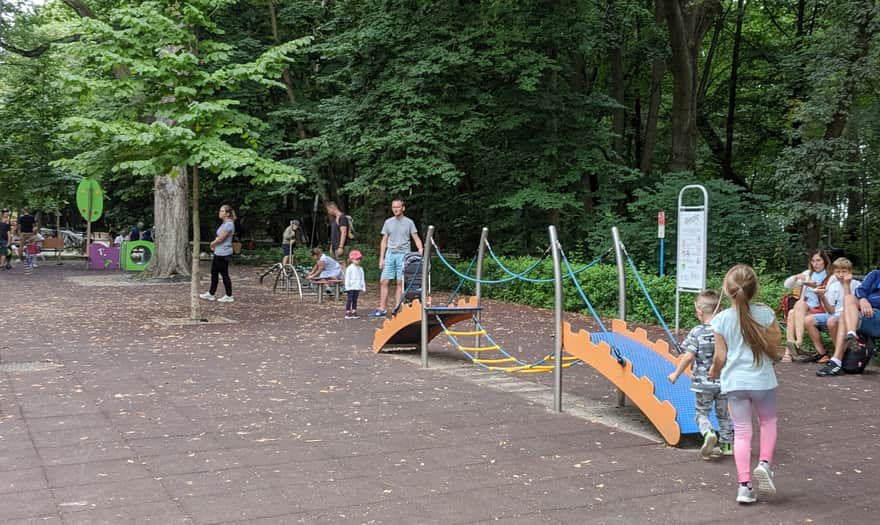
{"x":699,"y":349}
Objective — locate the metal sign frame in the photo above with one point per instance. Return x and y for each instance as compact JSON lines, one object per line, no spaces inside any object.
{"x":699,"y":245}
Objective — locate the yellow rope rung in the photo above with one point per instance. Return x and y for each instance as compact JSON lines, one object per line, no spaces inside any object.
{"x":461,"y":334}
{"x":534,"y":369}
{"x":479,"y":348}
{"x":495,"y":361}
{"x":564,"y":358}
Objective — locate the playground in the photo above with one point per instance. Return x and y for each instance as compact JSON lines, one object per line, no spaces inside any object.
{"x":281,"y":412}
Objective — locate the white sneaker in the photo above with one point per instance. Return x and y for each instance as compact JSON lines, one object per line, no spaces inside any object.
{"x":208,"y":296}
{"x":763,"y":476}
{"x":225,"y":299}
{"x":745,"y":494}
{"x":710,"y":439}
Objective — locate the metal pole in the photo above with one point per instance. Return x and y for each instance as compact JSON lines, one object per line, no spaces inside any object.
{"x":484,"y":235}
{"x":621,"y":292}
{"x":426,"y":269}
{"x":557,"y":321}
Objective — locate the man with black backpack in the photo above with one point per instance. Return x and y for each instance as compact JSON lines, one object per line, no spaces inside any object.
{"x":854,"y":347}
{"x":340,"y":230}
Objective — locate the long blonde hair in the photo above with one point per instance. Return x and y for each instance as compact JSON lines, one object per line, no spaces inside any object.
{"x":741,"y":285}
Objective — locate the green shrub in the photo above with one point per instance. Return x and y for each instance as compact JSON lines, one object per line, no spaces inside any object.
{"x":599,"y":284}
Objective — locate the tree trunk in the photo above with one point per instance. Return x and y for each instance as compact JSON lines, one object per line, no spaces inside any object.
{"x":734,"y":77}
{"x":658,"y":71}
{"x":195,"y":306}
{"x":285,"y":74}
{"x":170,"y":226}
{"x":618,"y":114}
{"x":687,"y":23}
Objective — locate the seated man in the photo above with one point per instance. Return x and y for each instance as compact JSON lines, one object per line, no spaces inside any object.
{"x":861,"y":315}
{"x":325,"y":266}
{"x":831,"y":298}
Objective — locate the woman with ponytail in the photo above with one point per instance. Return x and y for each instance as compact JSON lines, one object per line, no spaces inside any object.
{"x":222,"y":247}
{"x":747,"y":343}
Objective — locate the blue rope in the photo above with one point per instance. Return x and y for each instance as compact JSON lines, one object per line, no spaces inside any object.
{"x":577,"y":285}
{"x":644,"y":288}
{"x":549,"y":279}
{"x":461,"y":281}
{"x":482,"y":281}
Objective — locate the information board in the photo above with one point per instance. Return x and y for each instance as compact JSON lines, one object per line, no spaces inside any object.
{"x":691,"y":261}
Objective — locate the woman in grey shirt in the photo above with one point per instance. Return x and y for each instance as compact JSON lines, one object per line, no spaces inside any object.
{"x":222,"y":247}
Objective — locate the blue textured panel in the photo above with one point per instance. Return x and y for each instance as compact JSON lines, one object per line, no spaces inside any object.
{"x":647,"y":363}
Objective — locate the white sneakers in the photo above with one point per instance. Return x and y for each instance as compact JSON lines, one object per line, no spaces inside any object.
{"x":745,"y":494}
{"x":763,"y":476}
{"x":208,"y":296}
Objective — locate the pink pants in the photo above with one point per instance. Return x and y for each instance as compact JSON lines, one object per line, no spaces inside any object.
{"x":740,"y":404}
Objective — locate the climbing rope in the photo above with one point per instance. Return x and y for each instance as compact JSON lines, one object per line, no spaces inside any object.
{"x":462,"y":276}
{"x":644,"y":288}
{"x":577,"y":285}
{"x":546,"y":252}
{"x":512,"y":363}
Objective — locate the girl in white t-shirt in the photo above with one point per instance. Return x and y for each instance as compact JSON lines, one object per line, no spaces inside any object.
{"x":747,"y":342}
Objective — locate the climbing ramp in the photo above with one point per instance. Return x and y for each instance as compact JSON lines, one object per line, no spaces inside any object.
{"x":642,"y":377}
{"x":403,"y":329}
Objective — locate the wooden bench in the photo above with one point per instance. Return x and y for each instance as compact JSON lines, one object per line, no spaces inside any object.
{"x":323,"y":284}
{"x":53,"y":244}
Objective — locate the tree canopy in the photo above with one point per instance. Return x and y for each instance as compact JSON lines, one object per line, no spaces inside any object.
{"x":510,"y":115}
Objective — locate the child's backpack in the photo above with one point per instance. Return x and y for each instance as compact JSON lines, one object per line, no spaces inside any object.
{"x":787,"y":302}
{"x":857,"y":356}
{"x":412,"y":276}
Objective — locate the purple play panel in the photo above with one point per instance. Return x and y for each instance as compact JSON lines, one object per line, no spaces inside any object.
{"x":103,"y":258}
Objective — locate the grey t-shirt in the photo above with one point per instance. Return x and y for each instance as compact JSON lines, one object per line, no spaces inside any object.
{"x":701,"y":342}
{"x":225,"y":247}
{"x":399,"y":232}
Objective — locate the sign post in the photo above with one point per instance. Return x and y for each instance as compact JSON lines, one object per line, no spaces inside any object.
{"x":661,"y":234}
{"x":690,"y":262}
{"x":90,"y":202}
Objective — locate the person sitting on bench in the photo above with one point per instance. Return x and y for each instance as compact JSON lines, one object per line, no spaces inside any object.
{"x":861,"y":318}
{"x":325,"y":268}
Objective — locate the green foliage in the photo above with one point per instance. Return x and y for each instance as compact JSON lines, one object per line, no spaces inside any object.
{"x":156,"y":78}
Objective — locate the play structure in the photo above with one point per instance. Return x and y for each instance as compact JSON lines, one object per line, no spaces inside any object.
{"x":635,"y":365}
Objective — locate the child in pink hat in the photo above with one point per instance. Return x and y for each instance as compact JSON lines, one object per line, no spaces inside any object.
{"x":354,"y":283}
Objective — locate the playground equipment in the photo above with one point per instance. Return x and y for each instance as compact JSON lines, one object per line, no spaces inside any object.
{"x":635,"y":365}
{"x":136,"y":255}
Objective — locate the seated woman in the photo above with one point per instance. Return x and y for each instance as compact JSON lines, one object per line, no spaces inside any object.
{"x":809,"y":303}
{"x":325,"y":267}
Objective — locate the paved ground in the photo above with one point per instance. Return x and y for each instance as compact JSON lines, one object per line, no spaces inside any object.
{"x":286,"y":416}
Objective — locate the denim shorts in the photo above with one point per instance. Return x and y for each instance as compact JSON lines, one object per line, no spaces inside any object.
{"x":822,"y":320}
{"x":393,"y":268}
{"x":870,"y":325}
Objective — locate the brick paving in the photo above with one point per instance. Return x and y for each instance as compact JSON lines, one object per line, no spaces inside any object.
{"x":286,"y":416}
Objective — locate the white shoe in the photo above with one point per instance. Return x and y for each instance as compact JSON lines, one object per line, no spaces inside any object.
{"x":710,"y":439}
{"x":763,"y":476}
{"x":208,"y":296}
{"x":745,"y":494}
{"x":225,"y":299}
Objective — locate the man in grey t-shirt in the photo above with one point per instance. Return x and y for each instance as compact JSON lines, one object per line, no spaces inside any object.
{"x":397,"y":232}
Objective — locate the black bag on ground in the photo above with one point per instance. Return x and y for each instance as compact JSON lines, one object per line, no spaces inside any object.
{"x":857,"y":356}
{"x":412,"y":276}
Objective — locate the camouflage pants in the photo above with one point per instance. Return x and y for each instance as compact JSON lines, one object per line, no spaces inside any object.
{"x":704,"y":408}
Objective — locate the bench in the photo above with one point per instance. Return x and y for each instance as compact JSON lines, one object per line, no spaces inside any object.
{"x":323,"y":284}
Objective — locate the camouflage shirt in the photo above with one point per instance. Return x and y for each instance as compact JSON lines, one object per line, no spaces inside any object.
{"x":701,"y":342}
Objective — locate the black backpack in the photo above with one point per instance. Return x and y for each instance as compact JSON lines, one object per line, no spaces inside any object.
{"x":857,"y":357}
{"x":412,"y":276}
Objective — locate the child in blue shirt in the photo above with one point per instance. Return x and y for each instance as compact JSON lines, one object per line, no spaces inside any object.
{"x":699,"y":350}
{"x":747,"y":343}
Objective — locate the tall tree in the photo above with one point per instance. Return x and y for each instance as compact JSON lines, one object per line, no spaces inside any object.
{"x":156,"y":77}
